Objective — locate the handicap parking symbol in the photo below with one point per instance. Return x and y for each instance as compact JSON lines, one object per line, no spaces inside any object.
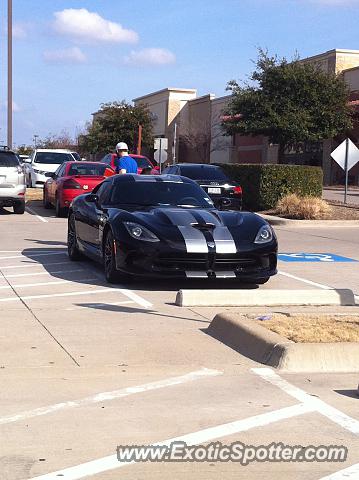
{"x":313,"y":257}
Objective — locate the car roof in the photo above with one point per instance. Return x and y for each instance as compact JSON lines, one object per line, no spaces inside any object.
{"x":53,"y":150}
{"x":131,"y":177}
{"x":200,"y":165}
{"x":83,"y":162}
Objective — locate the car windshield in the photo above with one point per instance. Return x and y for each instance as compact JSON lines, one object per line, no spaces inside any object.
{"x":159,"y":193}
{"x":76,"y":156}
{"x":52,"y":158}
{"x":8,"y":159}
{"x":199,"y":172}
{"x":87,"y":169}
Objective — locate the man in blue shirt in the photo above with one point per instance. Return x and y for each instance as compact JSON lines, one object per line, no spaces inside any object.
{"x":125,"y":163}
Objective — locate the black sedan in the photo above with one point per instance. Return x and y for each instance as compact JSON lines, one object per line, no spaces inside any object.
{"x":167,"y":226}
{"x":225,"y":193}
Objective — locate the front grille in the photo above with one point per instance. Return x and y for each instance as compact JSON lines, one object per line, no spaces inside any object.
{"x":204,"y":262}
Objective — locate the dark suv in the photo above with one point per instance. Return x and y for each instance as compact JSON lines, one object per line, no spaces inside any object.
{"x":12,"y":181}
{"x":225,"y":193}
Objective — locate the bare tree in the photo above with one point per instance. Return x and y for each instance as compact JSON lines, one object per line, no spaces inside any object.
{"x":204,"y":139}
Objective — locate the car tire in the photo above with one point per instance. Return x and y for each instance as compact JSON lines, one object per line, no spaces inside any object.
{"x":72,"y":248}
{"x":60,"y":212}
{"x":19,"y":207}
{"x":45,"y":201}
{"x":111,"y":273}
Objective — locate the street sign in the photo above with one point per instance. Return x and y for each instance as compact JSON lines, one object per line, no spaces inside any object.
{"x":160,"y":155}
{"x":346,"y":156}
{"x":339,"y":154}
{"x":313,"y":257}
{"x":161,"y":144}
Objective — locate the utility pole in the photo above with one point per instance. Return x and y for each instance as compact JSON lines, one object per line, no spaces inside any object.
{"x":35,"y":140}
{"x":9,"y":73}
{"x":174,"y":156}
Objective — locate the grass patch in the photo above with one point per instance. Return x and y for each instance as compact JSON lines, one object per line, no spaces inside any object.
{"x":303,"y":208}
{"x":34,"y":194}
{"x":312,"y":328}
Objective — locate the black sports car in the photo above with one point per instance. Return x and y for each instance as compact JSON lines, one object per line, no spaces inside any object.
{"x":225,"y":193}
{"x":167,"y":226}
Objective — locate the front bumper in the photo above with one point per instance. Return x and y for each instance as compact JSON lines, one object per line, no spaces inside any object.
{"x":38,"y":179}
{"x":253,"y":264}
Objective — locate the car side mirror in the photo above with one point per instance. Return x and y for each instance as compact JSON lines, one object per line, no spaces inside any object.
{"x":91,"y":198}
{"x":50,"y":175}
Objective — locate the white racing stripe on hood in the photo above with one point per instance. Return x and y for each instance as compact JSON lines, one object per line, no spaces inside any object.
{"x":221,"y":235}
{"x":194,"y":239}
{"x":224,"y":240}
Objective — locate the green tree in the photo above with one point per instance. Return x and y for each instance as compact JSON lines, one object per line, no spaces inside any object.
{"x":291,"y":103}
{"x":117,"y":122}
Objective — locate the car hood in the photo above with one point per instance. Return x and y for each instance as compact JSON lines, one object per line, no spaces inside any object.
{"x":184,"y":217}
{"x":45,"y":167}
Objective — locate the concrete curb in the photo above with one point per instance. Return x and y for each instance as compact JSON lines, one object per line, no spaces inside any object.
{"x":256,"y":297}
{"x":273,"y":220}
{"x":256,"y":342}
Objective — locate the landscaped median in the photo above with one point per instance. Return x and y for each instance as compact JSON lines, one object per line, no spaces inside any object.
{"x":323,"y":343}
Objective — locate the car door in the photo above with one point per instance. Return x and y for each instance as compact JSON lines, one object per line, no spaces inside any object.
{"x":90,"y":230}
{"x":52,"y":184}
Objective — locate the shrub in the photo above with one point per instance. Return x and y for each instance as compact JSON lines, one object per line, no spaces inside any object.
{"x":264,"y":185}
{"x":307,"y":208}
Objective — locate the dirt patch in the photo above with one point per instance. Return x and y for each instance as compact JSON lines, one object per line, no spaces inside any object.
{"x":34,"y":194}
{"x":338,"y":211}
{"x":312,"y":328}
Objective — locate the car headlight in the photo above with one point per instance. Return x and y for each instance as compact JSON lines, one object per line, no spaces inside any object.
{"x":264,"y":235}
{"x":40,"y":172}
{"x":139,"y":232}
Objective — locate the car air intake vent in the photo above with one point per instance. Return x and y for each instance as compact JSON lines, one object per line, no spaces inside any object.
{"x":203,"y":226}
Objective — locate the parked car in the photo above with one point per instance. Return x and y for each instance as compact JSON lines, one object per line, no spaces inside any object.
{"x":142,"y":162}
{"x":43,"y":161}
{"x":12,"y":181}
{"x":70,"y":180}
{"x":166,"y":226}
{"x":225,"y":193}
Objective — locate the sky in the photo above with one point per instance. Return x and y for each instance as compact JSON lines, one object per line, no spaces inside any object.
{"x":70,"y":56}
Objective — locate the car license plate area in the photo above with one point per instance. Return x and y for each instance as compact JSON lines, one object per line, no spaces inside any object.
{"x":214,"y":190}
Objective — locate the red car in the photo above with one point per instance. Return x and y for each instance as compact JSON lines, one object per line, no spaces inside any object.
{"x":142,"y":162}
{"x":70,"y":180}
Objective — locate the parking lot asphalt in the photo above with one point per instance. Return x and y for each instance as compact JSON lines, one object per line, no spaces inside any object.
{"x":85,"y":367}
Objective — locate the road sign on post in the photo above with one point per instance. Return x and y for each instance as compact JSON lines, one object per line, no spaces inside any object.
{"x":346,"y":156}
{"x":160,"y":155}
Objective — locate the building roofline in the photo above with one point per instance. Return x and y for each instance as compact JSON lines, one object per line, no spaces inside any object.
{"x":329,"y":52}
{"x":350,"y":69}
{"x":168,"y":89}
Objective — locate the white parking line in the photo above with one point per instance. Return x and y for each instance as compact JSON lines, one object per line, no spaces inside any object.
{"x":350,"y":473}
{"x":35,"y":264}
{"x":202,"y":436}
{"x":45,"y":284}
{"x":113,"y":395}
{"x":34,"y":255}
{"x":309,"y":282}
{"x":75,"y":294}
{"x":36,"y":274}
{"x":317,"y":404}
{"x":42,"y":219}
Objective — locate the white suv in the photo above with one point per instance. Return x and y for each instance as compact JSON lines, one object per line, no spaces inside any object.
{"x":45,"y":160}
{"x":12,"y":181}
